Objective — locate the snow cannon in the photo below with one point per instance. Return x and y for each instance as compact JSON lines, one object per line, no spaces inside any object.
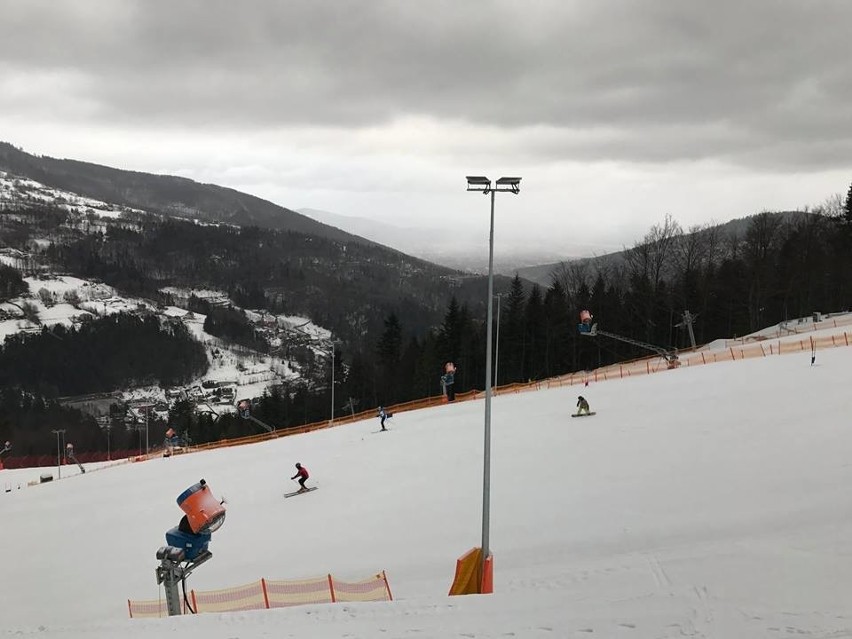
{"x":585,"y":325}
{"x":204,"y":513}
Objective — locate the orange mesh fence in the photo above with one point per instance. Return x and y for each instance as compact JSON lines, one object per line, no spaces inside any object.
{"x":373,"y":589}
{"x":150,"y":609}
{"x":763,"y":348}
{"x":296,"y":593}
{"x":760,"y":346}
{"x":268,"y":593}
{"x":248,"y":597}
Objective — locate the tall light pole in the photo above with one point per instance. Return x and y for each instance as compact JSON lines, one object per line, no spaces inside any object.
{"x":58,"y":452}
{"x":484,"y":185}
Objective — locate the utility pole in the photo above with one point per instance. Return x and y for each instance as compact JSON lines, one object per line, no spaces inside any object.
{"x":60,"y":432}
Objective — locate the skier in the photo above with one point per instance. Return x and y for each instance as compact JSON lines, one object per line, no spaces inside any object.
{"x":383,"y":415}
{"x":582,"y":406}
{"x":302,"y":474}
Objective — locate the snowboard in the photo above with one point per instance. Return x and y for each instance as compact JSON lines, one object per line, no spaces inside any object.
{"x":583,"y":414}
{"x":300,"y":492}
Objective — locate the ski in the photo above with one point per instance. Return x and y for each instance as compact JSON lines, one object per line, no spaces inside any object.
{"x":300,"y":492}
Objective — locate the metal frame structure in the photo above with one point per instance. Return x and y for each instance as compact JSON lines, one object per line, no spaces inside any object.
{"x":171,"y":572}
{"x":670,"y":356}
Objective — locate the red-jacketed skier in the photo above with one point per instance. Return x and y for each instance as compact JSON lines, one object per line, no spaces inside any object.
{"x":302,"y":474}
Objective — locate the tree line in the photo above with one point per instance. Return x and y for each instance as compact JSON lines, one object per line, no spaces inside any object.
{"x":771,"y":268}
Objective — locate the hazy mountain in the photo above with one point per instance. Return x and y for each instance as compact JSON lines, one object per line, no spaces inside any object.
{"x":443,"y":246}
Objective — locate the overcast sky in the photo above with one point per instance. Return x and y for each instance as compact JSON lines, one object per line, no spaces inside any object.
{"x":613,"y":113}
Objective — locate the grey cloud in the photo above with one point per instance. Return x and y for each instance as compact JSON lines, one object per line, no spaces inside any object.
{"x":655,"y":75}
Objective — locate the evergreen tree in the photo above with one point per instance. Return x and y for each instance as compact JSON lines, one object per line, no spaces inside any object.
{"x":450,"y":334}
{"x":847,"y":208}
{"x":536,"y":328}
{"x":513,"y":333}
{"x":11,"y":283}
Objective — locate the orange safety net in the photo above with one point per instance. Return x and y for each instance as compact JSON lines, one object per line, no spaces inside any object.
{"x":373,"y":589}
{"x":150,"y":609}
{"x":247,"y":597}
{"x":295,"y":593}
{"x":268,"y":593}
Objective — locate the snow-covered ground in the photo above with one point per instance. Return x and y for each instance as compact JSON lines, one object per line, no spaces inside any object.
{"x":707,"y":501}
{"x":250,"y":373}
{"x":14,"y":188}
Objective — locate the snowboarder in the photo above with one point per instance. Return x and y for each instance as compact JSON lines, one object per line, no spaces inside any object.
{"x":383,"y":416}
{"x":582,"y":406}
{"x":302,"y":474}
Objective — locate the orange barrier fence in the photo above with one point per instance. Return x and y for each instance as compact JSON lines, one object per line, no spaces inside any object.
{"x":762,"y":347}
{"x":248,"y":597}
{"x":281,"y":594}
{"x":785,"y":329}
{"x":150,"y":609}
{"x":265,"y":593}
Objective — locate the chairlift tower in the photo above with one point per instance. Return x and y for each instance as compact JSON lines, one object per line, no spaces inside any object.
{"x":688,"y":319}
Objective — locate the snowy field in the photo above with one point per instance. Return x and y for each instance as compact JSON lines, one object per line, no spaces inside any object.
{"x":250,"y":373}
{"x":700,"y":502}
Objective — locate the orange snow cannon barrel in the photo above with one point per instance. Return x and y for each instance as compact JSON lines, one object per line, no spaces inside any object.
{"x":204,"y":512}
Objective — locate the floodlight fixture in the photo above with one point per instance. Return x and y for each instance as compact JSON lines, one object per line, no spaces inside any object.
{"x":513,"y":184}
{"x":478,"y":183}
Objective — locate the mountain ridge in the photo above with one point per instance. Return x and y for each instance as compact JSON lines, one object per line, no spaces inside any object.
{"x":168,"y":195}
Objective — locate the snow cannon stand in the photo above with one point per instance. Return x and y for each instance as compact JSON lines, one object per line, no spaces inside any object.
{"x":187,"y":542}
{"x":193,"y":545}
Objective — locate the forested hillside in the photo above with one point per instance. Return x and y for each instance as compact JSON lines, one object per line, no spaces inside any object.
{"x":396,"y":320}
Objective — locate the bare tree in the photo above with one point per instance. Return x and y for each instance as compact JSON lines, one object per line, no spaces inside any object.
{"x":651,"y":258}
{"x":572,"y":275}
{"x":761,"y":239}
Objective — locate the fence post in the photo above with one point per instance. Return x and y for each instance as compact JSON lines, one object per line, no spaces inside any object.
{"x":387,"y":585}
{"x":331,"y":588}
{"x":265,"y":593}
